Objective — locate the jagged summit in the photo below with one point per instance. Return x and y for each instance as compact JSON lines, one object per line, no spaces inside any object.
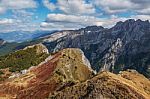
{"x":131,"y":23}
{"x":133,"y":20}
{"x":92,"y":28}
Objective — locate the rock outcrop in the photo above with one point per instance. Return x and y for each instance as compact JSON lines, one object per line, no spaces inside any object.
{"x":40,"y":48}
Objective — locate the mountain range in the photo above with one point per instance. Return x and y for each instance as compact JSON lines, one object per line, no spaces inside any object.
{"x":91,"y":62}
{"x":22,"y":36}
{"x":66,"y":74}
{"x":124,"y":46}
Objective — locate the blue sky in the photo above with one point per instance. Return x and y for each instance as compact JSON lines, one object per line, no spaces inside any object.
{"x":32,"y":15}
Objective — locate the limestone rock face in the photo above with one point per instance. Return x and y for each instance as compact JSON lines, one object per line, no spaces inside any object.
{"x":124,"y":46}
{"x":64,"y":68}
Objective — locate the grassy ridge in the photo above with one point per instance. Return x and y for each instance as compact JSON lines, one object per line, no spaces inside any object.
{"x":11,"y":47}
{"x":22,"y":59}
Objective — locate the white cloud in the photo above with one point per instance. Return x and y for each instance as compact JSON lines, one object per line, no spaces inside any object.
{"x":23,"y":15}
{"x":49,"y":5}
{"x":76,"y":7}
{"x":21,"y":18}
{"x":6,"y":21}
{"x":83,"y":20}
{"x":142,"y":17}
{"x":116,"y":6}
{"x":67,"y":22}
{"x":71,"y":6}
{"x":2,"y":10}
{"x":113,"y":6}
{"x":63,"y":21}
{"x":74,"y":13}
{"x":144,"y":11}
{"x":9,"y":25}
{"x":16,"y":4}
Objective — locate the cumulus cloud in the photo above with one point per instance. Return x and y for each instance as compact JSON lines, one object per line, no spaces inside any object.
{"x":109,"y":6}
{"x":71,"y":14}
{"x":49,"y":5}
{"x":71,"y":6}
{"x":21,"y":20}
{"x":6,"y":21}
{"x":116,"y":6}
{"x":21,"y":17}
{"x":81,"y":13}
{"x":145,"y":11}
{"x":9,"y":25}
{"x":2,"y":10}
{"x":67,"y":22}
{"x":113,"y":6}
{"x":142,"y":17}
{"x":76,"y":6}
{"x":16,"y":4}
{"x":83,"y":20}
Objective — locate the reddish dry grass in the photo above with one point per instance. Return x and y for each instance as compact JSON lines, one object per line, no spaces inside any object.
{"x":37,"y":87}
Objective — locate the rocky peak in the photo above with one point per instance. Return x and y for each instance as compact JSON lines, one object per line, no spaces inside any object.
{"x":40,"y":48}
{"x":92,"y":28}
{"x":131,"y":24}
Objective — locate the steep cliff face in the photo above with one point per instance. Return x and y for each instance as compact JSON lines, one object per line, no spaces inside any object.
{"x":64,"y":68}
{"x":111,"y":56}
{"x":124,"y":46}
{"x":127,"y":85}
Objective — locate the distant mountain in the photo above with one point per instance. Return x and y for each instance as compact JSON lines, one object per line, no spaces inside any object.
{"x":22,"y":36}
{"x":20,"y":39}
